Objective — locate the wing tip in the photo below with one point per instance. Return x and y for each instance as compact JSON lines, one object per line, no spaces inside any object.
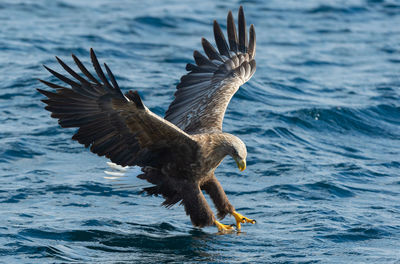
{"x":93,"y":55}
{"x":41,"y":91}
{"x":252,"y":42}
{"x":241,"y":11}
{"x":52,"y":85}
{"x":220,"y":40}
{"x":243,"y":42}
{"x":83,"y":69}
{"x":47,"y":68}
{"x":98,"y":69}
{"x":135,"y":97}
{"x":74,"y":57}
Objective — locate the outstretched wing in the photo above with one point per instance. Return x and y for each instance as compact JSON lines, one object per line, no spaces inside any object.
{"x":203,"y":94}
{"x":114,"y":125}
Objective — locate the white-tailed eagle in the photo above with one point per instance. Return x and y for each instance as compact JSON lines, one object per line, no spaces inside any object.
{"x":180,"y":152}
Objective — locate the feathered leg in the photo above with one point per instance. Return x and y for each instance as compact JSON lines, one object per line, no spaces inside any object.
{"x":224,"y":207}
{"x":198,"y":209}
{"x":218,"y":196}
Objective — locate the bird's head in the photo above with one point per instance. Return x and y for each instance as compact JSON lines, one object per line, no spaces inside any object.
{"x":238,"y":152}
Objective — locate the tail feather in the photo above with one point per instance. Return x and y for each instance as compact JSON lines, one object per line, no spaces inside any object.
{"x":162,"y":186}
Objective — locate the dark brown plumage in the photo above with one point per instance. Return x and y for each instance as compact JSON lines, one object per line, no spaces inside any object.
{"x":180,"y":153}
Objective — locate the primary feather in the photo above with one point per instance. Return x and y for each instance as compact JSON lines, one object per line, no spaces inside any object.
{"x":112,"y":124}
{"x":204,"y":93}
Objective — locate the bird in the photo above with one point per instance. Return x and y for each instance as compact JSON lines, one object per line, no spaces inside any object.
{"x":178,"y":154}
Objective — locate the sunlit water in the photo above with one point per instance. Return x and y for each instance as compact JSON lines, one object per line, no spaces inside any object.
{"x":321,"y":120}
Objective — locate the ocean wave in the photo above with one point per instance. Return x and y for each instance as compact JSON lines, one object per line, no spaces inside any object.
{"x":356,"y":234}
{"x":375,"y":121}
{"x":322,"y":9}
{"x":87,"y":189}
{"x":320,"y":119}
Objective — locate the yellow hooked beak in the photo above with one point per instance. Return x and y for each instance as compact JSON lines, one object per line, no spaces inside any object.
{"x":241,"y":164}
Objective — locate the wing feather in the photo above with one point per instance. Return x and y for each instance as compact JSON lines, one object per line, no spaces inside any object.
{"x":202,"y":61}
{"x":112,"y":124}
{"x":243,"y":43}
{"x":211,"y":51}
{"x":252,"y":42}
{"x":84,"y":70}
{"x":220,"y":40}
{"x":98,"y":69}
{"x":232,"y":35}
{"x":204,"y":93}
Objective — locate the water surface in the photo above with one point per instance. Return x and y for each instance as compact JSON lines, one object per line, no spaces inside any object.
{"x":320,"y":118}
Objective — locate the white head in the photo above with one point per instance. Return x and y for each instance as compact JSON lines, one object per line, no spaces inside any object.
{"x":237,"y":150}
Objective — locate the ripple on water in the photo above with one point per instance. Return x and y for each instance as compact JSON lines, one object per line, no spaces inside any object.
{"x":356,"y":234}
{"x":323,"y":9}
{"x":18,"y":150}
{"x":320,"y":119}
{"x":365,"y":121}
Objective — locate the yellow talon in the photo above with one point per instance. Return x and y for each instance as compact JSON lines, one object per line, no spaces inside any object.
{"x":224,"y":228}
{"x":241,"y":219}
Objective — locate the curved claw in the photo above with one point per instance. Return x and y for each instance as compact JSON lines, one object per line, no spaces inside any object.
{"x":242,"y":219}
{"x":224,"y":228}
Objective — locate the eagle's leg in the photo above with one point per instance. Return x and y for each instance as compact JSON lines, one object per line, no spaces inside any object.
{"x":224,"y":207}
{"x":196,"y":205}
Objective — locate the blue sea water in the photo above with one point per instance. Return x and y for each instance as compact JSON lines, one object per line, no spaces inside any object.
{"x":320,"y":118}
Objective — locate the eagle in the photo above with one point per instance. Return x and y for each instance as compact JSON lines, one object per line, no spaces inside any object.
{"x":178,"y":154}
